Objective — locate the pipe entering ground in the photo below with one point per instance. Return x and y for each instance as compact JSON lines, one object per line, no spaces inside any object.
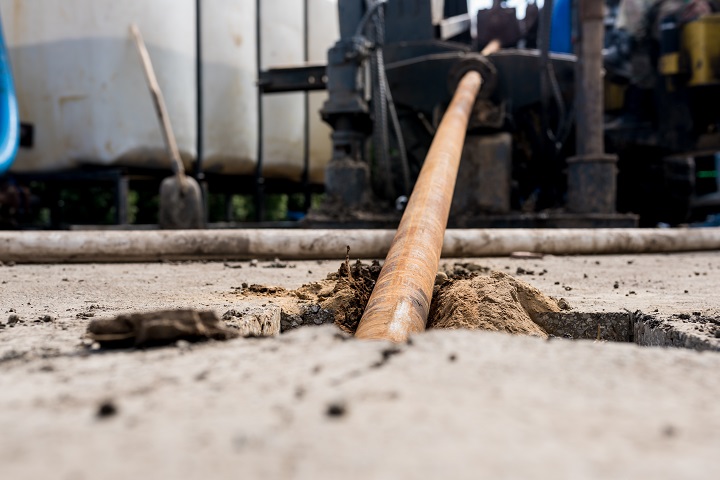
{"x":400,"y":302}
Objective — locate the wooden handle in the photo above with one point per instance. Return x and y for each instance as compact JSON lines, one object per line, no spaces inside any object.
{"x":159,"y":103}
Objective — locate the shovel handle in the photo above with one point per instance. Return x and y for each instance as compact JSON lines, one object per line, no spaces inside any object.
{"x":159,"y":103}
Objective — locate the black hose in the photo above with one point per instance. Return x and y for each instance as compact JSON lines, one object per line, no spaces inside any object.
{"x":199,"y":87}
{"x":385,"y":105}
{"x":259,"y":180}
{"x":306,"y":99}
{"x":372,"y":7}
{"x":404,"y":164}
{"x":380,"y":127}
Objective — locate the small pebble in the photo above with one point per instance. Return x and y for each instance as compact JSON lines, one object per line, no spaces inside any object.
{"x":564,"y":304}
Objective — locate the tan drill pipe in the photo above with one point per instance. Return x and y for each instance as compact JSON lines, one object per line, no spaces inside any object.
{"x":400,"y":303}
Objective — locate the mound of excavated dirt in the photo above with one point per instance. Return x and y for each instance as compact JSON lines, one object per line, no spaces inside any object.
{"x":465,"y":296}
{"x":352,"y":290}
{"x":497,"y":302}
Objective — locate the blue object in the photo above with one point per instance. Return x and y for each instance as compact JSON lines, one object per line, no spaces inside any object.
{"x":561,"y":30}
{"x":9,"y":121}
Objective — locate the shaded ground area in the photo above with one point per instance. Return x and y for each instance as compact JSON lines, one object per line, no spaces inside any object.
{"x":314,"y":403}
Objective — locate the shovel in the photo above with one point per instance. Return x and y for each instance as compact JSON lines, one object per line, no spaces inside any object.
{"x":181,"y":204}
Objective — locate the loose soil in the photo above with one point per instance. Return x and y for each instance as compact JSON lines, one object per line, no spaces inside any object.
{"x":466,"y":296}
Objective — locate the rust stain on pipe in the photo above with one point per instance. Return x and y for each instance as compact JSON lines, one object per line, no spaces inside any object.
{"x":400,"y":303}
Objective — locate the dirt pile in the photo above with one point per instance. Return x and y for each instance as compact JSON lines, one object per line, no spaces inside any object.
{"x":465,"y":296}
{"x":497,"y":302}
{"x":344,"y":293}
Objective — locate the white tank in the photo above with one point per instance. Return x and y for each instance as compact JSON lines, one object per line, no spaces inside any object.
{"x":80,"y":83}
{"x":229,"y":55}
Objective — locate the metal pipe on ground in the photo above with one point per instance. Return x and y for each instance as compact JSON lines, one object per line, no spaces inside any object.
{"x":400,"y":302}
{"x":156,"y":245}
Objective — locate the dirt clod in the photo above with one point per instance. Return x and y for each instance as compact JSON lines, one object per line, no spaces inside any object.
{"x":279,"y":264}
{"x":107,"y":409}
{"x":158,"y":328}
{"x":232,"y":265}
{"x":336,"y":410}
{"x":386,"y":355}
{"x":563,"y":304}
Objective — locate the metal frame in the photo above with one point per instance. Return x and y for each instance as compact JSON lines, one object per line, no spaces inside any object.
{"x":305,"y":79}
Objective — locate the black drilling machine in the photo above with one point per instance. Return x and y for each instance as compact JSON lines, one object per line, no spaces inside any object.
{"x":554,"y":140}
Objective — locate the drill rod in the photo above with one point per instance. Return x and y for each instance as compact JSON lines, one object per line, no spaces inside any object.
{"x":400,"y":302}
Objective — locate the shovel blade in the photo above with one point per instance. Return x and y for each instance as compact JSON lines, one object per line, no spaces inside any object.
{"x":181,"y":206}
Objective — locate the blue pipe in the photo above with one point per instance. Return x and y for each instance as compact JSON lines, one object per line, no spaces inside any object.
{"x":561,"y":33}
{"x":9,"y":119}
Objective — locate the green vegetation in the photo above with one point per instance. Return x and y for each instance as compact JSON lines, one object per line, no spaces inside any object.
{"x":75,"y":204}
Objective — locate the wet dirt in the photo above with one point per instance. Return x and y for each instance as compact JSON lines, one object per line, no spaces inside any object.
{"x":466,"y":295}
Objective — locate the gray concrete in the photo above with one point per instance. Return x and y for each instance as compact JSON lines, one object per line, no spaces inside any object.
{"x":314,"y":404}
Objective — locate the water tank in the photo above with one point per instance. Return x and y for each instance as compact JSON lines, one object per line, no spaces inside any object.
{"x":80,"y":83}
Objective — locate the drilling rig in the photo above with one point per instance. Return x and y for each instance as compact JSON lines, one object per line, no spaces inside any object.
{"x":548,"y":142}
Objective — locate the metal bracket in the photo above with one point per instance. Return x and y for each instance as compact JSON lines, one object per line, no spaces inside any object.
{"x":293,"y":79}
